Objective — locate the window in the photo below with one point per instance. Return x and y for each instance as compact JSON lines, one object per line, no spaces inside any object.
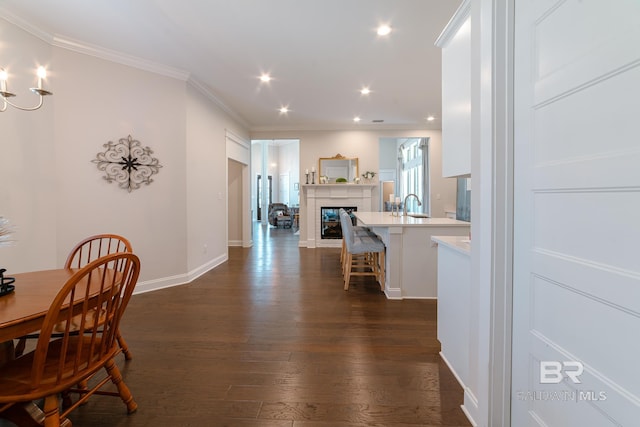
{"x":414,"y":156}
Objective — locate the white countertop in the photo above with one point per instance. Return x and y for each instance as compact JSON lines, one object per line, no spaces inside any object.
{"x":385,"y":219}
{"x":458,"y":243}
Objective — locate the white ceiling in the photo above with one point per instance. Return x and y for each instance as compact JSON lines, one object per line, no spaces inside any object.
{"x":320,"y":53}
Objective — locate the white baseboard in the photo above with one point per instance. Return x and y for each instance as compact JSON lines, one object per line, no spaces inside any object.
{"x":393,"y":293}
{"x":180,"y":279}
{"x":469,"y":398}
{"x":234,"y":243}
{"x":453,"y":371}
{"x":470,"y":406}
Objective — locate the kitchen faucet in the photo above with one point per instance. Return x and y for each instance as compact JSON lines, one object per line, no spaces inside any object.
{"x":404,"y":208}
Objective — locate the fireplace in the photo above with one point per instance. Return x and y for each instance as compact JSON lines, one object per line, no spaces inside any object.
{"x":330,"y":227}
{"x":333,"y":196}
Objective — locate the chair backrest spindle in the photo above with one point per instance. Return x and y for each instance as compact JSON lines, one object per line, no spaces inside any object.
{"x":94,"y":247}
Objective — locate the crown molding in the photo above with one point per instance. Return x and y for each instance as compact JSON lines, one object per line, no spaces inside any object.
{"x":454,"y":24}
{"x":92,"y":50}
{"x":24,"y":25}
{"x":206,"y":91}
{"x":334,"y":128}
{"x":153,"y":67}
{"x":118,"y":57}
{"x":237,"y":139}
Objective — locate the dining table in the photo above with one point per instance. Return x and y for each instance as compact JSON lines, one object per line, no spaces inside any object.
{"x":22,"y":312}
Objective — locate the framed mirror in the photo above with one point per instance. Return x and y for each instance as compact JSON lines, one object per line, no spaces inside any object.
{"x":338,"y":168}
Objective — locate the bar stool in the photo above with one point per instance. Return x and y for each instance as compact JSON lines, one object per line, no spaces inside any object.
{"x":357,"y":229}
{"x":364,"y":253}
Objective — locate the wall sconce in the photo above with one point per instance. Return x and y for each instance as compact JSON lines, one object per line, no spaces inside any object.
{"x":42,"y":73}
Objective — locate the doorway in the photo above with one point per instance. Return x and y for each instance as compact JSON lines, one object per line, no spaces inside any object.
{"x":279,"y":161}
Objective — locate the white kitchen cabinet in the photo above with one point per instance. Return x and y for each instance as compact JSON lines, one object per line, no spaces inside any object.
{"x":454,"y":303}
{"x":455,"y":42}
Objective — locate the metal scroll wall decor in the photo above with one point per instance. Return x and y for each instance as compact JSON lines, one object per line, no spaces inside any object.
{"x":127,"y":163}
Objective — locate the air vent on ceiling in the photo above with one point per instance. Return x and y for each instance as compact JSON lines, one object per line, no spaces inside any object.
{"x":377,"y":121}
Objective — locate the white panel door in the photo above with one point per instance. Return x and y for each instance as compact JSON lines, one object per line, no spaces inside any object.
{"x":576,"y":330}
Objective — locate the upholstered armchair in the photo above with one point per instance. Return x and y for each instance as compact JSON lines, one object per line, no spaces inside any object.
{"x":279,"y":215}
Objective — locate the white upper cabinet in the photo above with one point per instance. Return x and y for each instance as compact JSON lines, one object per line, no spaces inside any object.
{"x":455,"y":42}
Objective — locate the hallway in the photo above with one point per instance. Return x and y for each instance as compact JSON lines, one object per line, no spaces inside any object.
{"x":270,"y":339}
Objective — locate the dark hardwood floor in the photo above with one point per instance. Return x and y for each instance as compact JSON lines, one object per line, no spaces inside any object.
{"x":271,"y":339}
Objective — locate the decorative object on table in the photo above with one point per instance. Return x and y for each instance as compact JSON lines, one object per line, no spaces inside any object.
{"x":5,"y":94}
{"x":313,"y":176}
{"x":6,"y":283}
{"x":127,"y":163}
{"x":324,"y":179}
{"x":368,"y":176}
{"x":5,"y":232}
{"x":356,"y":180}
{"x":307,"y":175}
{"x":341,"y":180}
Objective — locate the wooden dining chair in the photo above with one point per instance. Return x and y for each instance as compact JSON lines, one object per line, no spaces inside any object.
{"x":57,"y":364}
{"x":94,"y":247}
{"x":87,"y":250}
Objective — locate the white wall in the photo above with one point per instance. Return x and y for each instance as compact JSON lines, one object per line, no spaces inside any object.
{"x":206,"y":188}
{"x":88,"y":115}
{"x":388,"y":156}
{"x":365,"y":145}
{"x":56,"y":196}
{"x":28,"y":183}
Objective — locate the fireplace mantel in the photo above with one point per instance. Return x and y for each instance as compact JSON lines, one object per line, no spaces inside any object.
{"x":316,"y":196}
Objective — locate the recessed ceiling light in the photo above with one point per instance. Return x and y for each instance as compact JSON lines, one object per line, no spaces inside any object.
{"x":365,"y":91}
{"x":356,"y":119}
{"x":384,"y":30}
{"x":284,"y":110}
{"x":430,"y":118}
{"x":265,"y":78}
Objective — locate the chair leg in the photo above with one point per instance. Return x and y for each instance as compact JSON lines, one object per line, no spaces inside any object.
{"x":123,"y":390}
{"x":381,"y":271}
{"x":123,"y":346}
{"x":347,"y":270}
{"x":51,"y":414}
{"x":20,"y":345}
{"x":374,"y":265}
{"x":66,"y":399}
{"x":22,"y":414}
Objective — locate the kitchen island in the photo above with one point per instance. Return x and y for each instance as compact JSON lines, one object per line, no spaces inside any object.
{"x":454,"y":304}
{"x":411,"y":256}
